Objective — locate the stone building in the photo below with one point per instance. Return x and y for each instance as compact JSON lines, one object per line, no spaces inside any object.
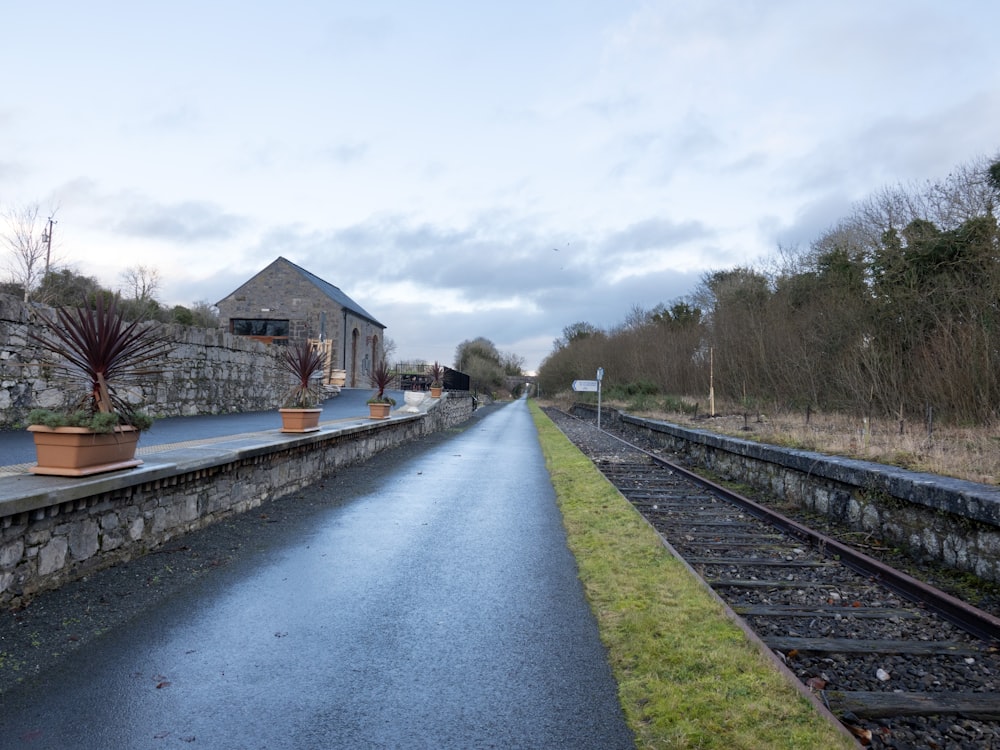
{"x":285,"y":303}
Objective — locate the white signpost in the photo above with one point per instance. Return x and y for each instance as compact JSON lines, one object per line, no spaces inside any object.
{"x":600,"y":377}
{"x":592,"y":386}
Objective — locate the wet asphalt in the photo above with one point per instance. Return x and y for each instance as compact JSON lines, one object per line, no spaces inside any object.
{"x":434,"y":606}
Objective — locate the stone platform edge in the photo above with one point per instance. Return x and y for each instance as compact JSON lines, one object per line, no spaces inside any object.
{"x":952,"y":521}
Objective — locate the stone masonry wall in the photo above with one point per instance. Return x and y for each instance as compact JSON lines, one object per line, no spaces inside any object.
{"x":63,"y":530}
{"x":951,"y":521}
{"x":207,"y":371}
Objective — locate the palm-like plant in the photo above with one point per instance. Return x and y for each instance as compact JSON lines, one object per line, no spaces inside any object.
{"x":381,"y":376}
{"x":103,"y":352}
{"x":437,"y":375}
{"x":304,"y":362}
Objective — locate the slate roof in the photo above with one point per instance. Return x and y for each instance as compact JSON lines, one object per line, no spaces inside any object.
{"x":334,"y":293}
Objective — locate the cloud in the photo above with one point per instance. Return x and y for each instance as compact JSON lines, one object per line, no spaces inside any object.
{"x":11,"y":171}
{"x":436,"y":286}
{"x":182,"y":116}
{"x":187,"y":222}
{"x":811,"y":221}
{"x":654,"y":234}
{"x":346,"y":153}
{"x":467,"y":173}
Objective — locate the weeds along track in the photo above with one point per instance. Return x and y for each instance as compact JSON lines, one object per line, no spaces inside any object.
{"x":901,"y":663}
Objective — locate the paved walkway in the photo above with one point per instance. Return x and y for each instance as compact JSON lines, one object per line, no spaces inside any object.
{"x":434,"y":605}
{"x":17,"y":448}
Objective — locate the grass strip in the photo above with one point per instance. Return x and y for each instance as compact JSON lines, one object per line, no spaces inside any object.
{"x":687,"y":676}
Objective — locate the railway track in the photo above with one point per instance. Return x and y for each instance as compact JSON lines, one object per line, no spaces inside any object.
{"x":902,"y":664}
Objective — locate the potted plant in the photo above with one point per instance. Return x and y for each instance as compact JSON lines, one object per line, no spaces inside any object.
{"x":379,"y":404}
{"x":300,"y":407}
{"x":102,"y":352}
{"x":437,"y":380}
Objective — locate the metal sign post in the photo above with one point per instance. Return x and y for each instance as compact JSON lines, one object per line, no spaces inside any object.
{"x":592,"y":386}
{"x":600,"y":377}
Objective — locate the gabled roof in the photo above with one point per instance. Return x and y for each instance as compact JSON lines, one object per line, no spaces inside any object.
{"x":326,"y":288}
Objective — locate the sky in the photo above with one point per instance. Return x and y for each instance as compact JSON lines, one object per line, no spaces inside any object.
{"x":465,"y":169}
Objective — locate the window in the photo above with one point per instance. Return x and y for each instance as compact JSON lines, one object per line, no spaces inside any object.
{"x":260,"y":328}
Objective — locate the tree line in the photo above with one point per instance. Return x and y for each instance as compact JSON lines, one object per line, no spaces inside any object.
{"x":34,"y":274}
{"x":893,"y":311}
{"x":486,"y":366}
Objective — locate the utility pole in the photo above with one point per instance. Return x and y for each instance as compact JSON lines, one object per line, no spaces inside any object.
{"x":711,"y":381}
{"x":47,"y":239}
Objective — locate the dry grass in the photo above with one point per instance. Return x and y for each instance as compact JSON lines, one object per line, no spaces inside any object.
{"x":971,"y":453}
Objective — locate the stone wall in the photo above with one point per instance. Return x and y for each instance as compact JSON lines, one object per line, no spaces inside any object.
{"x":54,"y":530}
{"x":207,"y":371}
{"x":951,"y":521}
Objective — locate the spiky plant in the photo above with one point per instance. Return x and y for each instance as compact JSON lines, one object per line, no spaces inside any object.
{"x":381,"y":376}
{"x":437,"y":375}
{"x":102,"y":351}
{"x":304,"y":363}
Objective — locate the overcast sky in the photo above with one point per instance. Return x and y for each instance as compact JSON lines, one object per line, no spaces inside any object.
{"x":466,"y":169}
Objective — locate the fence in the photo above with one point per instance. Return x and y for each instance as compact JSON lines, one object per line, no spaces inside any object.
{"x":415,"y":376}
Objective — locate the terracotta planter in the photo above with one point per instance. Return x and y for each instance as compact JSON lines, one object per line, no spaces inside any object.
{"x":379,"y":411}
{"x":299,"y":420}
{"x":435,"y":392}
{"x":79,"y":452}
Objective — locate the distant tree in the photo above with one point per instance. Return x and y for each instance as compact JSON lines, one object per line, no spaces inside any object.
{"x":485,"y":365}
{"x":575,"y":332}
{"x":67,"y":288}
{"x":24,"y":236}
{"x":476,"y":349}
{"x":993,"y":175}
{"x":387,"y":347}
{"x":576,"y":356}
{"x":636,"y":317}
{"x":143,"y":309}
{"x":739,"y":330}
{"x":205,"y":315}
{"x":680,"y":313}
{"x":182,"y":315}
{"x":140,"y":283}
{"x":512,"y":364}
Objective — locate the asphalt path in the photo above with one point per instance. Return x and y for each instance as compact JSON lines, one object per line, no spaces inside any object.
{"x":18,"y":447}
{"x":429,"y":601}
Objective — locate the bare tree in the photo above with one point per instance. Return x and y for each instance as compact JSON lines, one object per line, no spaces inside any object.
{"x":513,"y":364}
{"x":141,"y":283}
{"x":29,"y":241}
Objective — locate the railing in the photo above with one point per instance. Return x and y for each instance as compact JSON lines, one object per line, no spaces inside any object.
{"x":416,"y":376}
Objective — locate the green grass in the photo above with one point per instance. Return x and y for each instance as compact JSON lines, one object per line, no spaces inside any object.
{"x":687,"y":676}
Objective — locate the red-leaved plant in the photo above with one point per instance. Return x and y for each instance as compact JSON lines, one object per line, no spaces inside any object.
{"x":103,"y":352}
{"x":381,"y":376}
{"x":437,"y":375}
{"x":304,"y":362}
